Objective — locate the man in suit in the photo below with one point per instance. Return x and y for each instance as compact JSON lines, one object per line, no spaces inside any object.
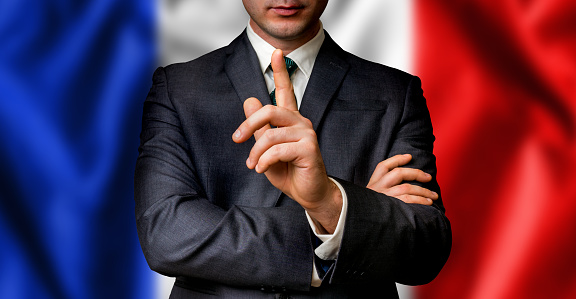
{"x":330,"y":193}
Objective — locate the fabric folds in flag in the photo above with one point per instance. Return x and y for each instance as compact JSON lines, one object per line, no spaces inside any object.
{"x":73,"y":76}
{"x":500,"y":80}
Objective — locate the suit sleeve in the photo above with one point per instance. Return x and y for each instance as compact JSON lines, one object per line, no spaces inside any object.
{"x":183,"y":234}
{"x":408,"y":243}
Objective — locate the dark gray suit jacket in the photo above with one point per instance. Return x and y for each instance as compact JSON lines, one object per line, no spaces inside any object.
{"x":202,"y":214}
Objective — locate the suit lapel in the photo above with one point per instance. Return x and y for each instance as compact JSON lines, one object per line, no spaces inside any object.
{"x":244,"y":72}
{"x":329,"y":71}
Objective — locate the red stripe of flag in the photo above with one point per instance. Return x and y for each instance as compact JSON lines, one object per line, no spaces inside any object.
{"x":500,"y":80}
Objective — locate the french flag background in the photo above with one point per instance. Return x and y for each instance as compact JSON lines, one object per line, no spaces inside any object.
{"x":500,"y":82}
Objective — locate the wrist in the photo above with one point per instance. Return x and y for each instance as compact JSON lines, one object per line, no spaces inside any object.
{"x":327,"y":213}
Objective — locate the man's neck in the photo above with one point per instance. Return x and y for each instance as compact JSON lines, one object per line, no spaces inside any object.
{"x":286,"y":46}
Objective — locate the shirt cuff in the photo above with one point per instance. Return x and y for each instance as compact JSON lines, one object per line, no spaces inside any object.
{"x":330,"y":246}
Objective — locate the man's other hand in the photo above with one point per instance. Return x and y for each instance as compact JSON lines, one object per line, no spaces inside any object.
{"x":388,"y":177}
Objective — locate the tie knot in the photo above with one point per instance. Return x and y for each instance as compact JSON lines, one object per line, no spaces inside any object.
{"x":291,"y":66}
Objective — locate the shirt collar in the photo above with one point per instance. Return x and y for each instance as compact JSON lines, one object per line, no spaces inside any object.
{"x":304,"y":56}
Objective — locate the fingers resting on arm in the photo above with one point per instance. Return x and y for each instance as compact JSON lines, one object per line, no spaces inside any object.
{"x":388,"y":178}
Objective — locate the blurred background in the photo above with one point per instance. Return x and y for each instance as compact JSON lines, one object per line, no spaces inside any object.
{"x":500,"y":82}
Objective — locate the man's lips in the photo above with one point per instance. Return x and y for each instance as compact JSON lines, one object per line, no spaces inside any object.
{"x":286,"y":10}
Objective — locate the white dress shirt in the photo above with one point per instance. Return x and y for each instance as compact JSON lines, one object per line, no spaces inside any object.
{"x":304,"y":57}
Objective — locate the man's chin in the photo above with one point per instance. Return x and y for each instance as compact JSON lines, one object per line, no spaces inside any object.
{"x":288,"y":29}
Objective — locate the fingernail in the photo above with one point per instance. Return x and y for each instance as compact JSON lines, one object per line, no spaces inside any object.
{"x":435,"y":194}
{"x":429,"y":200}
{"x":248,"y":162}
{"x":257,"y":168}
{"x":237,"y":134}
{"x":428,"y":175}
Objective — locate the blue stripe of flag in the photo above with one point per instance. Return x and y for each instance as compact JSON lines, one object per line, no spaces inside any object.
{"x":73,"y":76}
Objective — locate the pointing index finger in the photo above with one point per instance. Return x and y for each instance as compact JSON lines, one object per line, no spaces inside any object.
{"x":284,"y":90}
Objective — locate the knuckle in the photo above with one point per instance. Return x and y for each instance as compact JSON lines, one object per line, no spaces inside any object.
{"x":405,"y":198}
{"x":404,"y":188}
{"x":271,"y":134}
{"x":383,"y":166}
{"x":311,"y":133}
{"x":278,"y":150}
{"x":397,"y":171}
{"x":308,"y":147}
{"x":268,"y":134}
{"x":247,"y":123}
{"x":268,"y":109}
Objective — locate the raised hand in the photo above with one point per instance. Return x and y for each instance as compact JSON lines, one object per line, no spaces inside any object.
{"x":388,"y":176}
{"x":289,"y":154}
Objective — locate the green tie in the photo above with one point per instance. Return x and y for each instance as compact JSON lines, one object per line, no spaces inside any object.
{"x":291,"y":67}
